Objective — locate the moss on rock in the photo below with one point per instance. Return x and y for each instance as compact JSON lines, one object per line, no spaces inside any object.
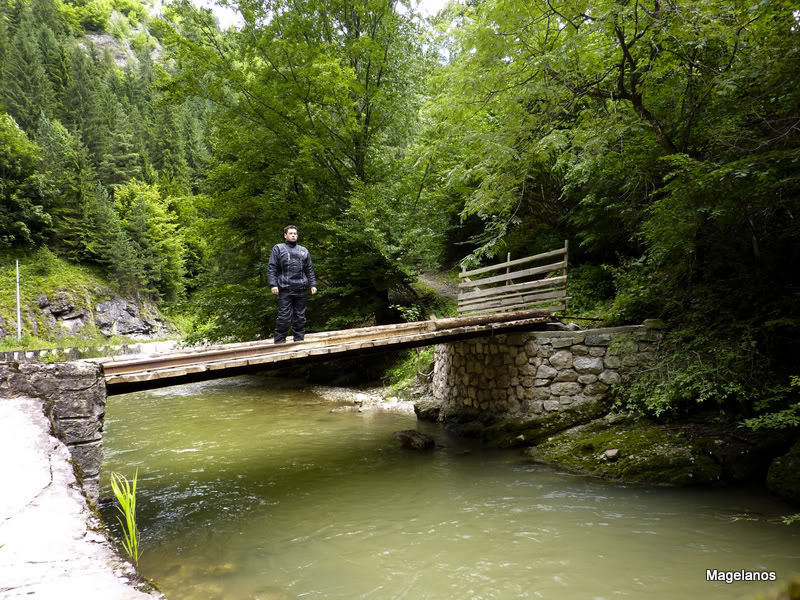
{"x":783,"y":477}
{"x":648,"y":453}
{"x":516,"y":433}
{"x":787,"y":591}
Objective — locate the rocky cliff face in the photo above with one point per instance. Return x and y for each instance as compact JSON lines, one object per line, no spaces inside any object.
{"x":63,"y":313}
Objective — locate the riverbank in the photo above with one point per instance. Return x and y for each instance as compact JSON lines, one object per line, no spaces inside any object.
{"x":52,"y":545}
{"x":368,"y":399}
{"x":598,"y":442}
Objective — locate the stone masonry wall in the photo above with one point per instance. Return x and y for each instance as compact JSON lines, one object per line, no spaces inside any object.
{"x":74,"y":396}
{"x":529,"y":375}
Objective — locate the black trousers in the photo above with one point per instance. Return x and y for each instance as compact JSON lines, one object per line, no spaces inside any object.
{"x":291,"y":311}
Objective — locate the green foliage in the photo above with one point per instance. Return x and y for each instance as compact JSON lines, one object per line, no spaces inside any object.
{"x":317,"y":107}
{"x":154,"y":237}
{"x":125,"y":492}
{"x":632,"y":132}
{"x":133,"y":9}
{"x":95,"y":128}
{"x":26,"y":91}
{"x":141,"y":42}
{"x":411,"y":313}
{"x":408,"y":369}
{"x":590,"y":288}
{"x":233,"y":312}
{"x":93,"y":14}
{"x":23,"y":217}
{"x":780,"y":405}
{"x":69,"y":15}
{"x":697,"y":372}
{"x":638,"y":292}
{"x":120,"y":28}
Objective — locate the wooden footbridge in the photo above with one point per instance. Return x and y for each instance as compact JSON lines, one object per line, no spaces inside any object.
{"x":489,"y":304}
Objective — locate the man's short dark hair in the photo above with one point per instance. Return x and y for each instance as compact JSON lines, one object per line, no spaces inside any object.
{"x":288,"y":227}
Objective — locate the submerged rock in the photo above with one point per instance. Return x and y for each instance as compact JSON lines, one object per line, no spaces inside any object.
{"x":470,"y":429}
{"x":410,"y":438}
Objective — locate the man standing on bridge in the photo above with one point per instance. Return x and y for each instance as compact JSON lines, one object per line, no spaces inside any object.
{"x":290,"y":273}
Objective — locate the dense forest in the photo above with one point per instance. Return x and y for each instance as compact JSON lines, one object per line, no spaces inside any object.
{"x":661,"y":137}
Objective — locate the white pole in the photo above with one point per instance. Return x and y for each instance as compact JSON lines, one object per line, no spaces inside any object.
{"x":19,"y":311}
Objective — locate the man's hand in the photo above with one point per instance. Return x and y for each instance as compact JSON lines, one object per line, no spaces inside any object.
{"x":274,"y":290}
{"x":313,"y":291}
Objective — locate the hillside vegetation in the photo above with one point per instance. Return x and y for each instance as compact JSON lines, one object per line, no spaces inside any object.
{"x":660,"y":138}
{"x":59,"y":303}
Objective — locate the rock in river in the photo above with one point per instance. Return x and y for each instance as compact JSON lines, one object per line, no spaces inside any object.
{"x":410,"y":438}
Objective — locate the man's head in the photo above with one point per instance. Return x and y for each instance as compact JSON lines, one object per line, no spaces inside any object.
{"x":290,"y":233}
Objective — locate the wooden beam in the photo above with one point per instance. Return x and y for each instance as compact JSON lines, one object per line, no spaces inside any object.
{"x":516,"y":275}
{"x":500,"y":310}
{"x":554,"y":282}
{"x":513,"y":300}
{"x":525,"y":296}
{"x":512,"y":263}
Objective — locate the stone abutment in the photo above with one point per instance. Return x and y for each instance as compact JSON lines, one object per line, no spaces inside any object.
{"x":73,"y":399}
{"x":535,"y":374}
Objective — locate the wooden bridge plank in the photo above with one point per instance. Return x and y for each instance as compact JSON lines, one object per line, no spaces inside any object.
{"x":420,"y":333}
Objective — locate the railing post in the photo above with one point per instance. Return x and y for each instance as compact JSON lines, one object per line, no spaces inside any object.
{"x":566,"y":274}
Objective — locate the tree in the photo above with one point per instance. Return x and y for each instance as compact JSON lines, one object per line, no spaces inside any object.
{"x":313,"y":107}
{"x":23,"y":218}
{"x":154,"y":236}
{"x":169,"y":158}
{"x":56,"y":60}
{"x":662,"y":136}
{"x":121,"y":162}
{"x":71,"y":188}
{"x":27,"y":90}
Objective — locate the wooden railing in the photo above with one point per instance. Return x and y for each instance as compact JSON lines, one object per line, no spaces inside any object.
{"x":542,"y":287}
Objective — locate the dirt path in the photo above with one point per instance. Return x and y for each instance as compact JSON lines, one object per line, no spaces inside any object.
{"x":438,"y":280}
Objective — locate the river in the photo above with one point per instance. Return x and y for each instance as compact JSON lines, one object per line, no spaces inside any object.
{"x":252,"y":489}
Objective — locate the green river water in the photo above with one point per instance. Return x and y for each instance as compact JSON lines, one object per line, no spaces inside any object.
{"x":251,"y":488}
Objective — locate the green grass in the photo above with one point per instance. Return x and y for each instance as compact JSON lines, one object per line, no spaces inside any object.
{"x":42,"y":272}
{"x":30,"y":342}
{"x":125,"y":493}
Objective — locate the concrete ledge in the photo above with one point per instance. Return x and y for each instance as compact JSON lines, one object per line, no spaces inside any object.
{"x":51,"y":544}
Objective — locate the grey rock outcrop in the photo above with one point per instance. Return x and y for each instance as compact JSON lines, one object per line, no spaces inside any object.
{"x":119,"y":316}
{"x":67,"y":314}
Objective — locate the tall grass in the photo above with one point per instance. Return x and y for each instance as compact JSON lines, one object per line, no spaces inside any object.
{"x":126,"y":496}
